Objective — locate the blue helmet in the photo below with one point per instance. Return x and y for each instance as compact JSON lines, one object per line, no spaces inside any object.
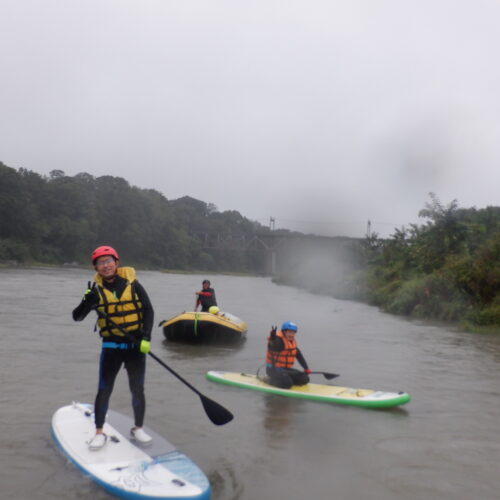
{"x":289,"y":325}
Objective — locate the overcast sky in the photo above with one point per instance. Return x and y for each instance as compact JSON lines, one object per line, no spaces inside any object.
{"x":321,"y":114}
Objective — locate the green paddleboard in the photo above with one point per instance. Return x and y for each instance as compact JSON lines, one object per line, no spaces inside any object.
{"x":318,"y":392}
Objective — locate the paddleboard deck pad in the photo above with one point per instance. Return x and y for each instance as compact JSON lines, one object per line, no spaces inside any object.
{"x":123,"y":467}
{"x":318,"y":392}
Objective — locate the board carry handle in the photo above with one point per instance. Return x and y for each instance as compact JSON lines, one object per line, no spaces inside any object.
{"x":83,"y":408}
{"x":215,"y":412}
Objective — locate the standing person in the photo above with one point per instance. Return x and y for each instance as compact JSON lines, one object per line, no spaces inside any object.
{"x":282,"y":351}
{"x":118,"y":294}
{"x":206,"y":297}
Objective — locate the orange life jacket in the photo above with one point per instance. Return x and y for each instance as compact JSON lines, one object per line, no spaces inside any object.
{"x":284,"y":358}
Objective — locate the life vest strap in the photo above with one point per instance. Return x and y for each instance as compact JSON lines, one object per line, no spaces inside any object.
{"x":117,"y":345}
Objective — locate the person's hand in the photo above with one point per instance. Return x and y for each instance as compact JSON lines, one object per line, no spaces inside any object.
{"x":308,"y":371}
{"x":273,"y":331}
{"x":91,"y":295}
{"x":144,"y":346}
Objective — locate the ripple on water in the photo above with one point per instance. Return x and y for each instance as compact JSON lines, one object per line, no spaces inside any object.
{"x":442,"y":467}
{"x":224,"y":481}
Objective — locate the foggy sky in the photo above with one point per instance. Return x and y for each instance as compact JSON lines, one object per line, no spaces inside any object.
{"x":321,"y":114}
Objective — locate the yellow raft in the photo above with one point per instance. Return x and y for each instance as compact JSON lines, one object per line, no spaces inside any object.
{"x":204,"y":327}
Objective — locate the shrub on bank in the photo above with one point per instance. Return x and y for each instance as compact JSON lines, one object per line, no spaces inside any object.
{"x":486,"y":316}
{"x":431,"y":296}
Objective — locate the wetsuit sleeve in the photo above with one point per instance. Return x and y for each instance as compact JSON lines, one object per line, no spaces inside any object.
{"x":148,"y":314}
{"x":81,"y":310}
{"x":301,"y":360}
{"x":276,"y":344}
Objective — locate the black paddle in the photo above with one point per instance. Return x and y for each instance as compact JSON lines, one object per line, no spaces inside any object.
{"x":215,"y":412}
{"x":327,"y":375}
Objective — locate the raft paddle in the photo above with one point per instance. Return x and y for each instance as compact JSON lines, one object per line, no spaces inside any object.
{"x":327,"y":375}
{"x":215,"y":412}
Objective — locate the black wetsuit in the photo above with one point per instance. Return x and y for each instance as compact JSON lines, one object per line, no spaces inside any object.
{"x":125,"y":353}
{"x":207,"y":299}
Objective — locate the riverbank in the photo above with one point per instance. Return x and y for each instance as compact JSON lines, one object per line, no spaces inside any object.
{"x":426,"y":299}
{"x":423,"y":299}
{"x":12,"y":264}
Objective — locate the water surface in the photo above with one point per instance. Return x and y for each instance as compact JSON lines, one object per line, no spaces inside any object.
{"x":443,"y":445}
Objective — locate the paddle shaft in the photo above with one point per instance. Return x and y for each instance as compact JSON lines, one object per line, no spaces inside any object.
{"x":217,"y":413}
{"x":327,"y":375}
{"x":182,"y":379}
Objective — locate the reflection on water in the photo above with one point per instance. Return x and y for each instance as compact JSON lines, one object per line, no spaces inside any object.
{"x":278,"y":414}
{"x":225,"y":481}
{"x":178,"y":350}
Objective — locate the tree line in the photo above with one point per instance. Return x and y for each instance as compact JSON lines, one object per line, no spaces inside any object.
{"x":59,"y":219}
{"x":447,"y":268}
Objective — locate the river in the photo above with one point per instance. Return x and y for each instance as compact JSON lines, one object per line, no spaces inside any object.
{"x":444,"y":444}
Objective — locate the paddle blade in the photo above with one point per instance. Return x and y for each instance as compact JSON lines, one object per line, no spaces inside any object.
{"x":327,"y":375}
{"x":215,"y":412}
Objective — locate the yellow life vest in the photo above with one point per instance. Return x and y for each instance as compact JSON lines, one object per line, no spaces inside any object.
{"x":125,"y":310}
{"x":284,"y":358}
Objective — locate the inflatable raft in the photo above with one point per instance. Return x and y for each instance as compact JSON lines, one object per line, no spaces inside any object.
{"x":204,"y":328}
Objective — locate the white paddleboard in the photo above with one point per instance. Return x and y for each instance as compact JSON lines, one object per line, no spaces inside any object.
{"x":123,"y":467}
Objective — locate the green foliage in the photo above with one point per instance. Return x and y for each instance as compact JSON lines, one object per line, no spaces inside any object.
{"x":447,"y":269}
{"x":488,"y":315}
{"x":14,"y":251}
{"x":59,"y":219}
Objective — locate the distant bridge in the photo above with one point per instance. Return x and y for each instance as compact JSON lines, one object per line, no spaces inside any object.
{"x":275,"y":246}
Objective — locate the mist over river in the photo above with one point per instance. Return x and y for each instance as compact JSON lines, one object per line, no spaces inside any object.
{"x":444,"y":444}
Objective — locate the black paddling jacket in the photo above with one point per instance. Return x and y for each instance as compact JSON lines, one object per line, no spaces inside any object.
{"x":127,"y":304}
{"x":206,"y":298}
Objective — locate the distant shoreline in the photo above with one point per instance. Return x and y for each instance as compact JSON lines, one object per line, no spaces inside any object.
{"x":74,"y":265}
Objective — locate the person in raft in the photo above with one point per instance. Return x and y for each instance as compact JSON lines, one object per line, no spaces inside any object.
{"x":206,"y":297}
{"x":118,"y":294}
{"x":282,"y":351}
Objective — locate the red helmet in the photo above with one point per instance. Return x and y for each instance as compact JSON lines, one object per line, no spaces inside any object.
{"x":104,"y":250}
